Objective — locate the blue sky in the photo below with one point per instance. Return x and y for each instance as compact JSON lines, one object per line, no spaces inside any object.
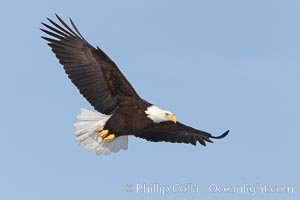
{"x":217,"y":65}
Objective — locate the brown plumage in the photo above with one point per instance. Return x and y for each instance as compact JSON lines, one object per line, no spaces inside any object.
{"x":95,"y":75}
{"x":101,"y":82}
{"x":170,"y":132}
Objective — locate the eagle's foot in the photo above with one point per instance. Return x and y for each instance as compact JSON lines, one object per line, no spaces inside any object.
{"x":109,"y":138}
{"x":103,"y":134}
{"x":106,"y":136}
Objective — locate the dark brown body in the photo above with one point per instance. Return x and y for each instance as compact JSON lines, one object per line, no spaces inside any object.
{"x":130,"y":118}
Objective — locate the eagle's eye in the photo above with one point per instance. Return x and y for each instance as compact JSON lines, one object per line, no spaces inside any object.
{"x":167,"y":114}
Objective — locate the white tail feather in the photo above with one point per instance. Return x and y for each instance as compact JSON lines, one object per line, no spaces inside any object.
{"x":87,"y":129}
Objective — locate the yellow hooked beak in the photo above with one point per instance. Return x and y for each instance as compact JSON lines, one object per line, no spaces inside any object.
{"x":173,"y":118}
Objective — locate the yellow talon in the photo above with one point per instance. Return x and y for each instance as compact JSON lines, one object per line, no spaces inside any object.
{"x":103,"y":134}
{"x":109,"y":138}
{"x":106,"y":136}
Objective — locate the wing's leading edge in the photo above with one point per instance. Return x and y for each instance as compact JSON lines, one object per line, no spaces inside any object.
{"x":95,"y":75}
{"x":177,"y":133}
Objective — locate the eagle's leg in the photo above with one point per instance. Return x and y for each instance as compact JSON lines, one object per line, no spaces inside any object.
{"x":106,"y":136}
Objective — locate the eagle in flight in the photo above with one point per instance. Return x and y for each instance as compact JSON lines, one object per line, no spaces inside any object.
{"x":120,"y":111}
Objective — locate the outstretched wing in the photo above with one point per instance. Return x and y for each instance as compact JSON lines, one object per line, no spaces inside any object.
{"x":95,"y":75}
{"x":178,"y":133}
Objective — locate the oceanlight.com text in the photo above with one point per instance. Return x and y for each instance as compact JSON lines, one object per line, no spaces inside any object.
{"x":251,"y":189}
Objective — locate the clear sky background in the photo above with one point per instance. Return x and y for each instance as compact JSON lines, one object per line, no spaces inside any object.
{"x":216,"y":64}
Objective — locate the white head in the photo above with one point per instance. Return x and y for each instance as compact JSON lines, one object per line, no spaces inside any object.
{"x":158,"y":115}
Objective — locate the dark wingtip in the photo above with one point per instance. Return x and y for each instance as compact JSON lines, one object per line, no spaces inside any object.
{"x":221,"y":136}
{"x":56,"y":15}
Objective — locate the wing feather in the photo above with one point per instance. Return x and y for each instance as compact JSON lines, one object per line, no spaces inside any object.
{"x":177,"y":133}
{"x":95,"y":75}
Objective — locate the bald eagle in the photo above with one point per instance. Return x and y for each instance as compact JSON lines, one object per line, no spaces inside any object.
{"x":120,"y":111}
